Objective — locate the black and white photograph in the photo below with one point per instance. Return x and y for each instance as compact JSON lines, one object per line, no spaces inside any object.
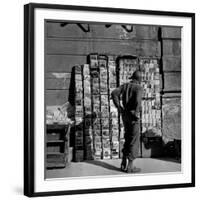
{"x":112,"y":99}
{"x":109,"y":99}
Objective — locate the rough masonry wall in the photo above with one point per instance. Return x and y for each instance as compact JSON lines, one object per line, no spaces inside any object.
{"x":171,"y":57}
{"x":68,"y":45}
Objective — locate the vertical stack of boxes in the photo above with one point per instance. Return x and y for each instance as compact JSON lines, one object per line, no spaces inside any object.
{"x":88,"y":135}
{"x":151,"y":109}
{"x":79,"y":114}
{"x":96,"y":105}
{"x":104,"y":99}
{"x":127,"y":65}
{"x":114,"y":120}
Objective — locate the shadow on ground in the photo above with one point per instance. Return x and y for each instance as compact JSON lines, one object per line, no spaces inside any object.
{"x":103,"y":164}
{"x":175,"y":160}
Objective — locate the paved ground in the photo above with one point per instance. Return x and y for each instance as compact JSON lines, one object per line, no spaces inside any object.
{"x":112,"y":167}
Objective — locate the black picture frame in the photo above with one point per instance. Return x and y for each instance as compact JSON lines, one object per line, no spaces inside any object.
{"x":29,"y":81}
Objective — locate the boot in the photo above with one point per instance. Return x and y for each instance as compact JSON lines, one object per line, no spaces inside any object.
{"x":131,"y":168}
{"x":124,"y":164}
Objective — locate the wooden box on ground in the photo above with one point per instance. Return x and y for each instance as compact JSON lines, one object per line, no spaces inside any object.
{"x":151,"y":147}
{"x":57,"y":145}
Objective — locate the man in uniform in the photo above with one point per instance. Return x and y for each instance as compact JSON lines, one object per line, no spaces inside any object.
{"x":131,"y":94}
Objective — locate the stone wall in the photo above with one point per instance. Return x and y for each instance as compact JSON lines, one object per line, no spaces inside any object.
{"x":67,"y":45}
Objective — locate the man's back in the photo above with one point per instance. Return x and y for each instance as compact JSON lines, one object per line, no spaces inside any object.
{"x":131,"y":94}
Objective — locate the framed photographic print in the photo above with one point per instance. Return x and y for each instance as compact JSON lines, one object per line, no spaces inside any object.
{"x":108,"y":99}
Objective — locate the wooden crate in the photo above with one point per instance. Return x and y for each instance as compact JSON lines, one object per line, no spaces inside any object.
{"x":57,"y":145}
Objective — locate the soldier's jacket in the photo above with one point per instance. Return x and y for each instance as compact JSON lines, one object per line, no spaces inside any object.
{"x":131,"y":94}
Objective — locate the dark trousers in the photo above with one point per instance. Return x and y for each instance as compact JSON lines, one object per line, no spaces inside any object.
{"x":131,"y":136}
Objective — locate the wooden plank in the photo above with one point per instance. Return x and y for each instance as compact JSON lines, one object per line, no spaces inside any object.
{"x":172,"y":47}
{"x":171,"y":32}
{"x":54,"y":148}
{"x":171,"y":116}
{"x":101,"y":31}
{"x":55,"y":159}
{"x":56,"y":97}
{"x":171,"y":63}
{"x":63,"y":63}
{"x":55,"y":128}
{"x":82,"y":47}
{"x":171,"y":95}
{"x":55,"y":141}
{"x":172,"y":81}
{"x":58,"y":154}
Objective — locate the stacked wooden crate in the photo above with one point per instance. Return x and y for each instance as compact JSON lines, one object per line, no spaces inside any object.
{"x":57,"y":146}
